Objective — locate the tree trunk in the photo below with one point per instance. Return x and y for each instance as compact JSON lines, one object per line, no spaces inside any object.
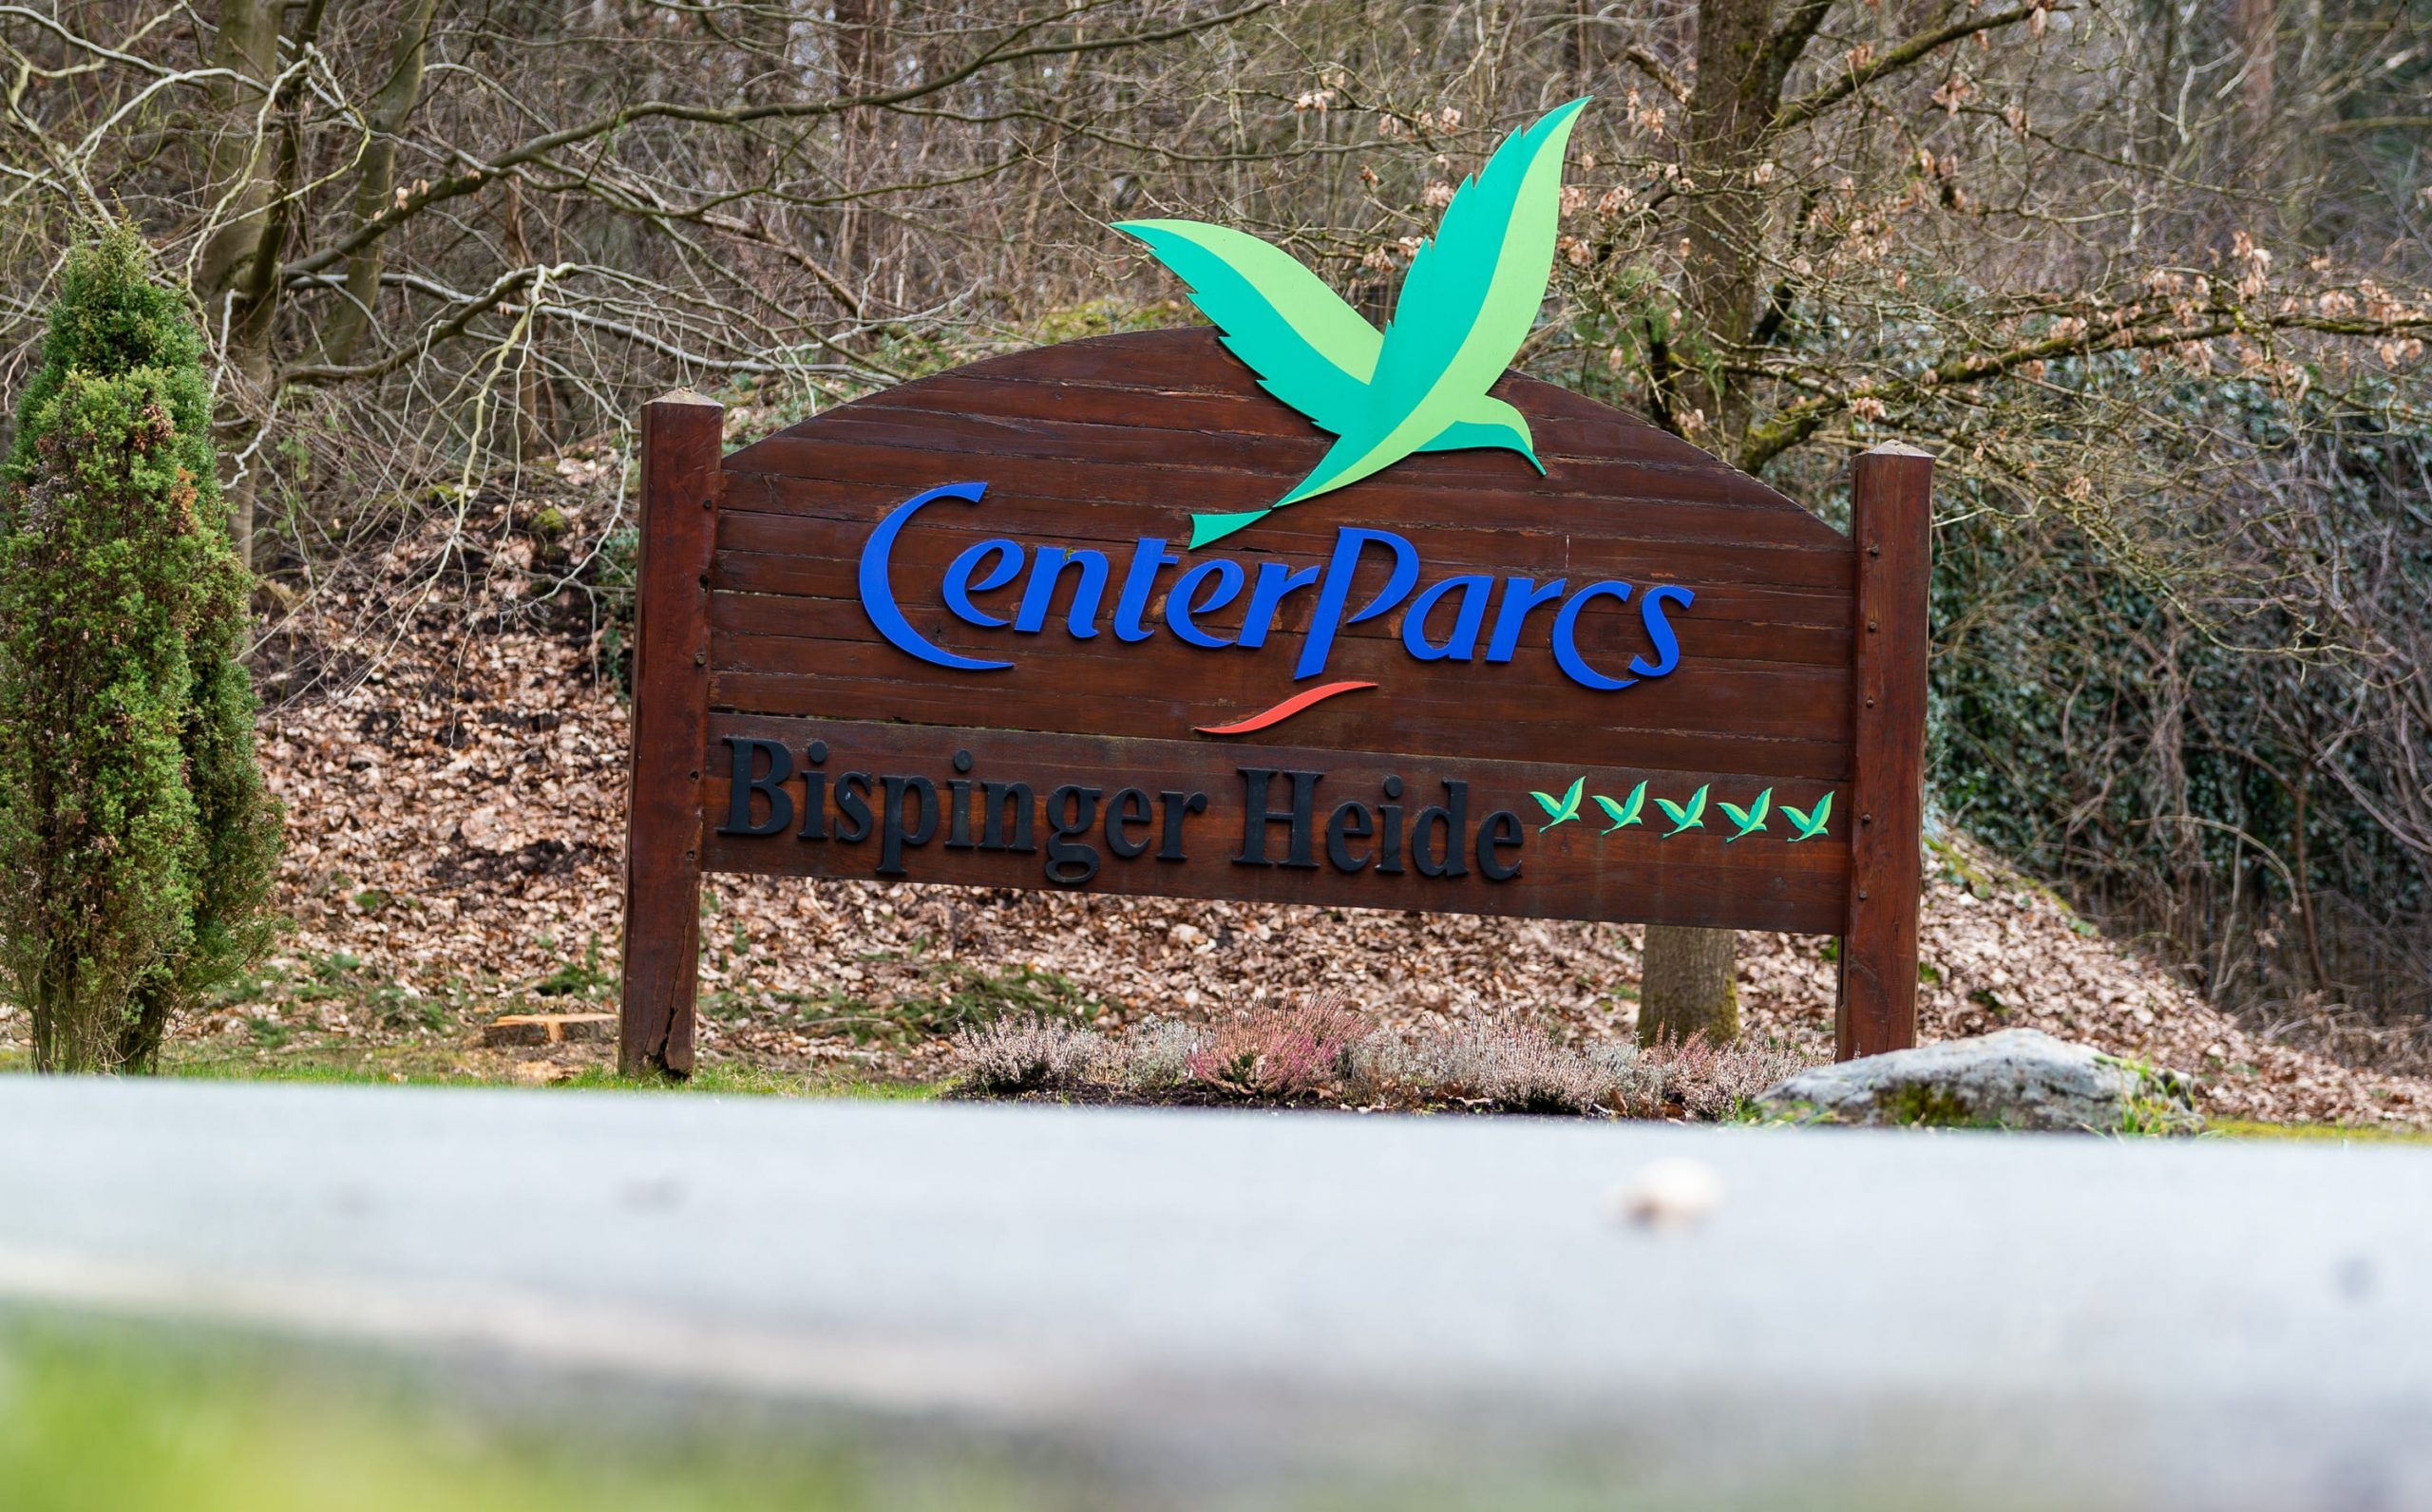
{"x":138,"y":1049}
{"x":2256,"y":23}
{"x":1688,"y":986}
{"x":243,"y":412}
{"x":242,"y":143}
{"x":377,"y":185}
{"x":1722,"y":209}
{"x":861,"y":54}
{"x":228,"y":277}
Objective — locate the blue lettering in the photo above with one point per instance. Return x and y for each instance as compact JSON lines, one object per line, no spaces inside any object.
{"x":1185,"y":602}
{"x":1213,"y":584}
{"x":878,"y":593}
{"x":1046,"y":567}
{"x":1336,"y":592}
{"x":1274,"y":582}
{"x":1476,"y":589}
{"x":1566,"y":632}
{"x":1138,"y":584}
{"x":960,"y":587}
{"x":1520,"y":595}
{"x":1659,"y":630}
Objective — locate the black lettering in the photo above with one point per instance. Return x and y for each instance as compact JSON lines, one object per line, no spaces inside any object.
{"x":1071,"y":813}
{"x":1454,"y":820}
{"x":1131,"y":807}
{"x":1256,"y":816}
{"x":853,"y":808}
{"x":958,"y":820}
{"x":1501,"y":831}
{"x":1348,"y":823}
{"x":814,"y":806}
{"x":741,"y":784}
{"x":893,"y":835}
{"x":1388,"y":851}
{"x":996,"y":799}
{"x":1176,"y":805}
{"x":814,"y":795}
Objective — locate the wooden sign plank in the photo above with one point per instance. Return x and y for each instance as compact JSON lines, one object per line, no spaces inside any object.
{"x":956,"y":632}
{"x":681,"y":481}
{"x":1892,"y":521}
{"x":1364,"y":831}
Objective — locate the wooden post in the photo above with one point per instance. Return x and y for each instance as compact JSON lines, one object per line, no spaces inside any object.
{"x":1891,"y":528}
{"x":682,"y":447}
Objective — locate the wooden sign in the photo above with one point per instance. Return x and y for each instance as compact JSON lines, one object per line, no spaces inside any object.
{"x":957,"y":633}
{"x":1297,"y":610}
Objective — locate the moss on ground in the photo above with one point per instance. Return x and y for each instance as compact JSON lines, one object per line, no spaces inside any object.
{"x":1916,"y":1105}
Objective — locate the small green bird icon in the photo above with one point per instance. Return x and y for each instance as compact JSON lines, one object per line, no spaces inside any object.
{"x":1751,"y":819}
{"x":1808,"y":825}
{"x":1691,"y":816}
{"x":1623,"y":814}
{"x":1466,"y":305}
{"x":1562,"y":808}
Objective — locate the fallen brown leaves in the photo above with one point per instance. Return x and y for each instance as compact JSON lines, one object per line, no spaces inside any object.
{"x":1998,"y":951}
{"x":455,"y":813}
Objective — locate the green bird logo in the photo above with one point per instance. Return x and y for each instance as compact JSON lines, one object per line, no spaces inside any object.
{"x":1751,"y":819}
{"x":1622,"y":814}
{"x":1809,"y":825}
{"x":1565,"y":807}
{"x":1467,"y":304}
{"x":1691,"y":816}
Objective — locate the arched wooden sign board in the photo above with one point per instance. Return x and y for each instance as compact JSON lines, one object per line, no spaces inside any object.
{"x":956,"y":632}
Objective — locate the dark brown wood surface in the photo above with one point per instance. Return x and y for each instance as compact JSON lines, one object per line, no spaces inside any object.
{"x":1569,"y":871}
{"x":1800,"y":675}
{"x":680,"y":486}
{"x":1098,"y":443}
{"x":1892,"y":523}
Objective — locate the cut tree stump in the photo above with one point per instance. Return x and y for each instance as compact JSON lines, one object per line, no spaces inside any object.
{"x":548,"y":1028}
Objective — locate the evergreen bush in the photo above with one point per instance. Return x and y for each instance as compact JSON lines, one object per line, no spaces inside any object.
{"x":137,"y":842}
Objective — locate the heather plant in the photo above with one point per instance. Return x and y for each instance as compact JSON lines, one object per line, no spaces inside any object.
{"x":1635,"y":1080}
{"x":1026,"y":1054}
{"x":1714,"y":1083}
{"x":1155,"y":1057}
{"x":1327,"y":1052}
{"x":1505,"y":1068}
{"x":1280,"y":1052}
{"x":137,"y":842}
{"x":1522,"y":1071}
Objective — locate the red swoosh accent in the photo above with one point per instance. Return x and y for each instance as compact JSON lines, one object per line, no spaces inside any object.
{"x":1284,"y":711}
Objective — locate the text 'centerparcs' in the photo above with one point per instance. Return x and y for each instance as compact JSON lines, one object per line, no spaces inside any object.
{"x":1469,"y":617}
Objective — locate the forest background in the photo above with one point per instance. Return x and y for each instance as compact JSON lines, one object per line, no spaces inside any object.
{"x":2149,"y":279}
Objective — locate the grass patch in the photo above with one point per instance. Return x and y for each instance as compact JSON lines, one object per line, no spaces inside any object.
{"x":2318,"y":1133}
{"x":100,"y":1417}
{"x":952,"y":996}
{"x":586,"y":978}
{"x":335,"y":1061}
{"x":747,"y":1081}
{"x":112,"y":1417}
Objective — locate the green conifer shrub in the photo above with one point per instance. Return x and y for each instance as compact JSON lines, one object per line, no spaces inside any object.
{"x":137,"y":842}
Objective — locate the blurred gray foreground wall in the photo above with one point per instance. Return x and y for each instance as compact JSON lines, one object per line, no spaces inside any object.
{"x":1231,"y":1307}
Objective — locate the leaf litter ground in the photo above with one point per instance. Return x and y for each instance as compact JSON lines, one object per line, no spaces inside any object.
{"x":450,"y":738}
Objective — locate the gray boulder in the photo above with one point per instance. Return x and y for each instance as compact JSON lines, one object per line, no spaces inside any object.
{"x":2020,"y":1078}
